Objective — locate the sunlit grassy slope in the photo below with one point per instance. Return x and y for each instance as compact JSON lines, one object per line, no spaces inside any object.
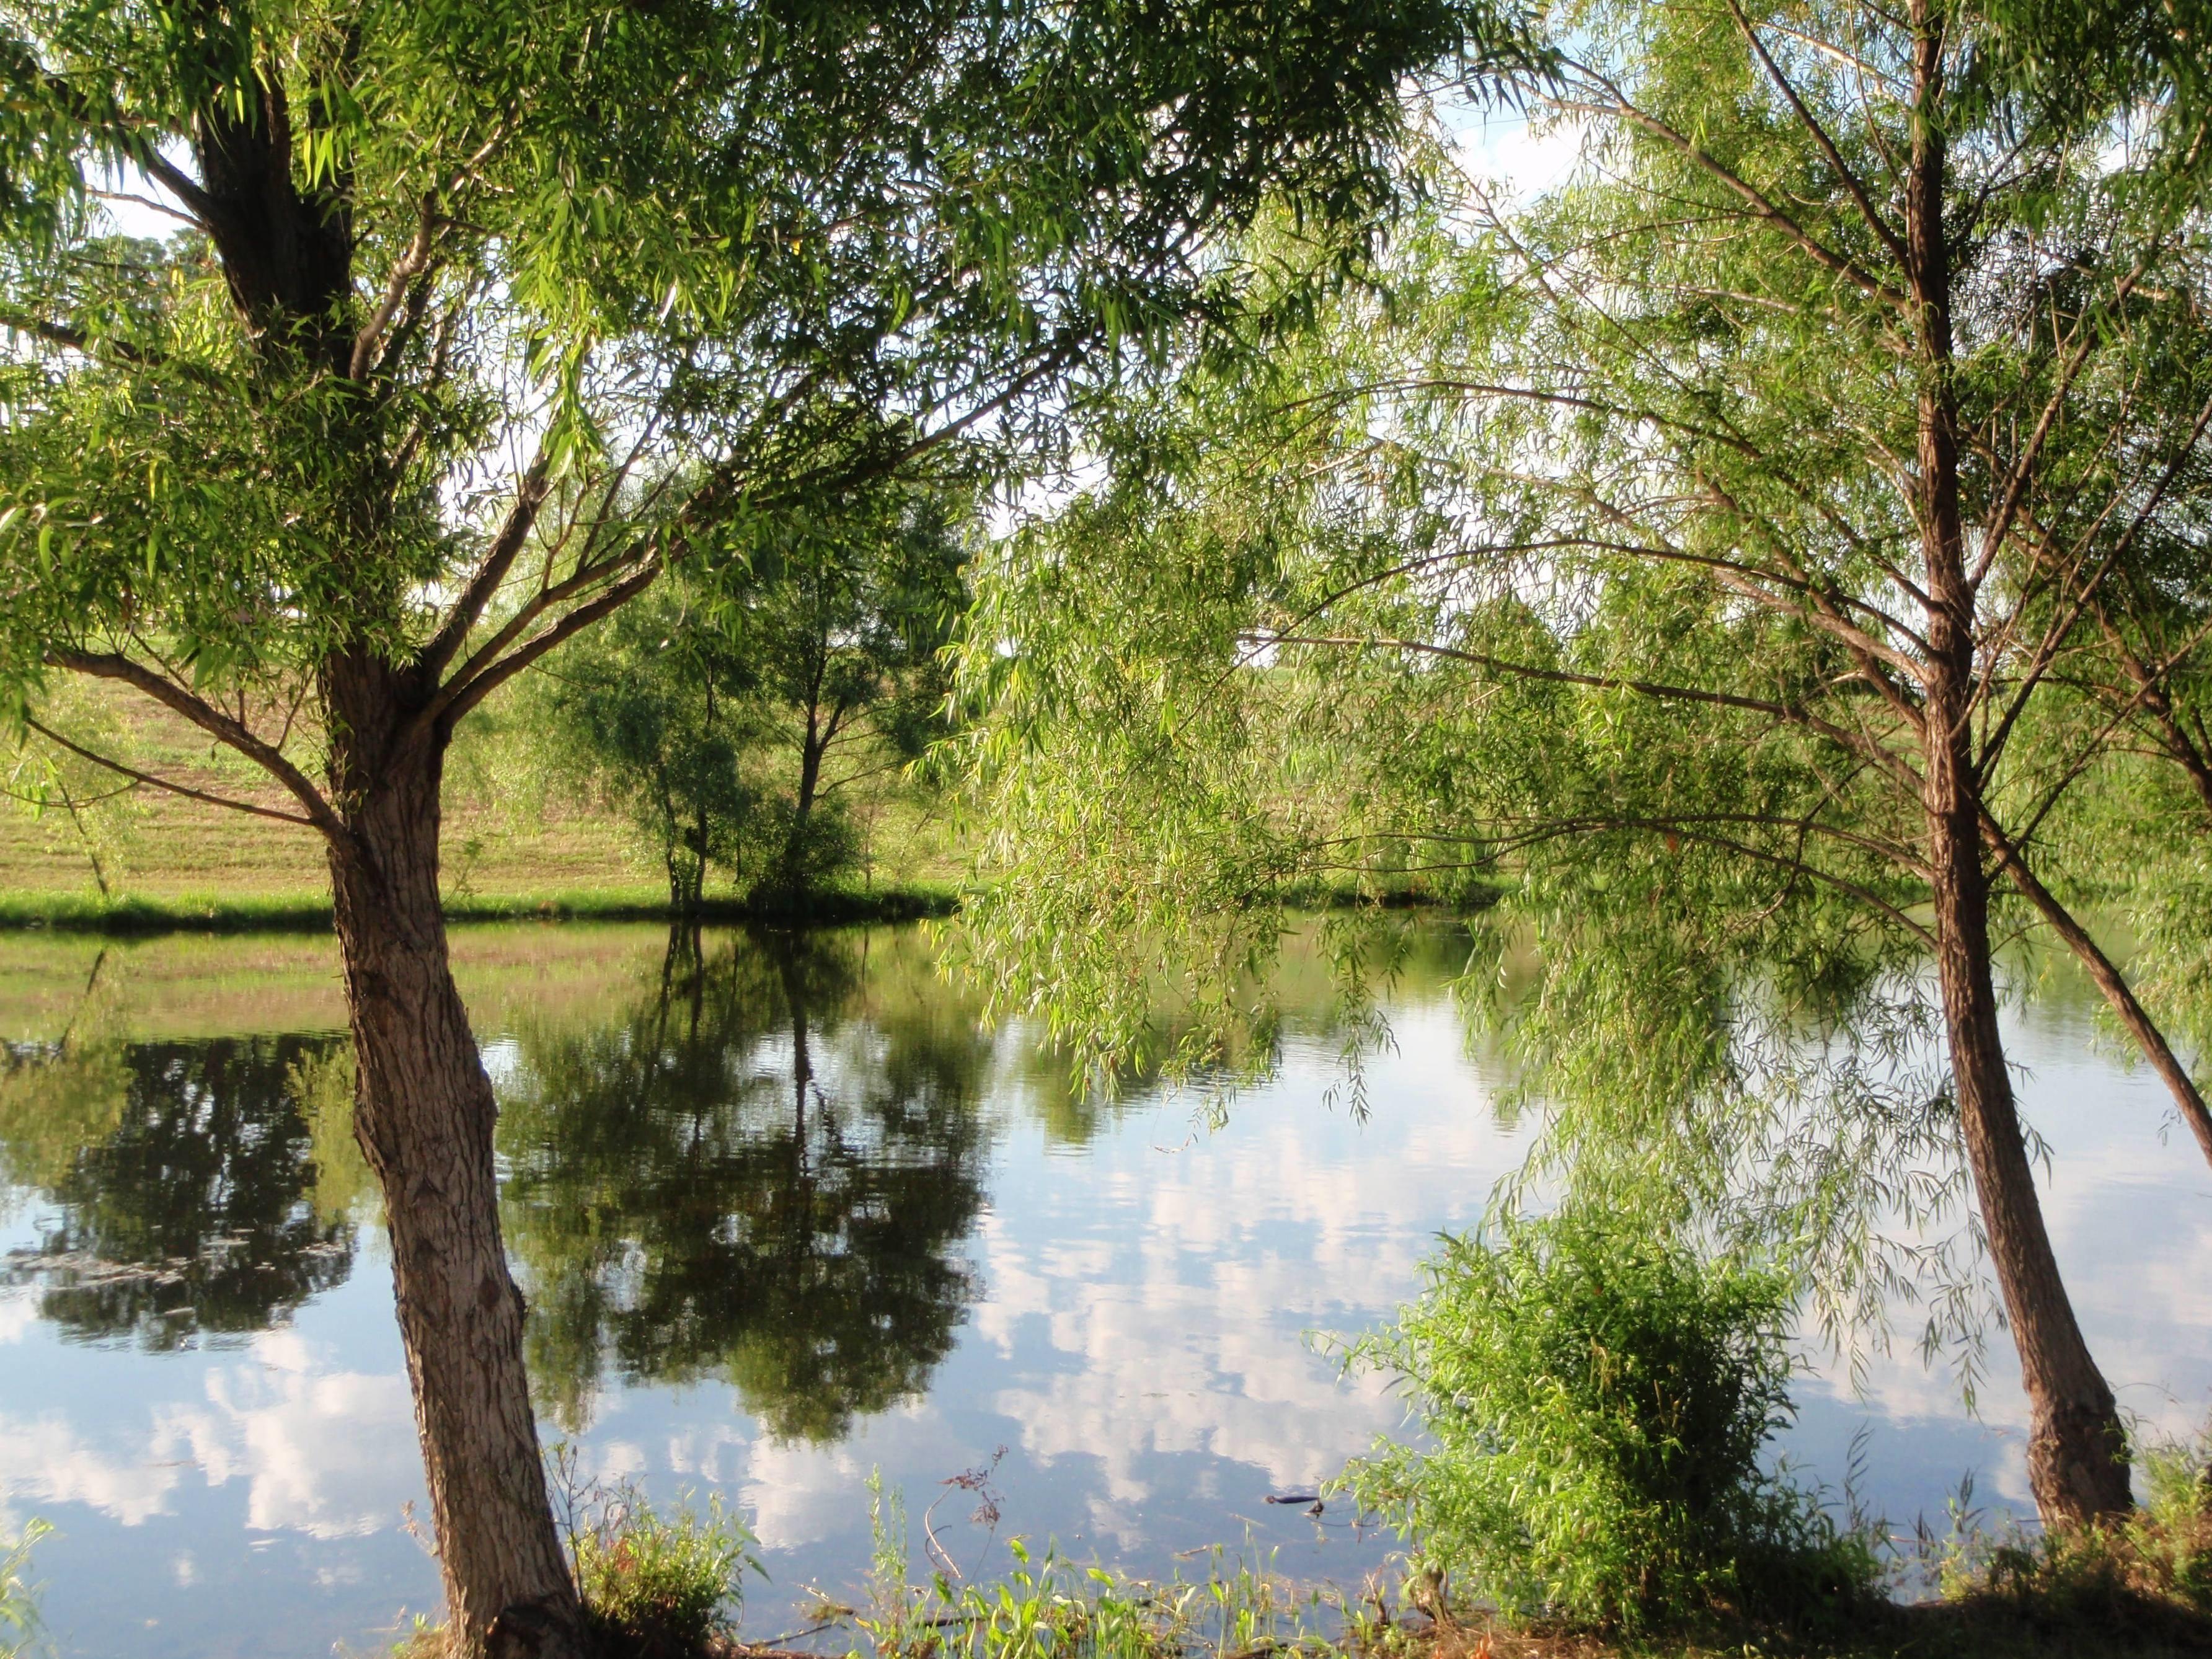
{"x":510,"y":841}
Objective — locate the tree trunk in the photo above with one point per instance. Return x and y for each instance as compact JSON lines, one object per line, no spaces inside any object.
{"x":811,"y":748}
{"x":423,"y":1114}
{"x":2077,"y":1458}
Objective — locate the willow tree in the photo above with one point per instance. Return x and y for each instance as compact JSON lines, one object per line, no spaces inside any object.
{"x":846,"y":623}
{"x":1693,"y":545}
{"x":474,"y":320}
{"x":651,"y":715}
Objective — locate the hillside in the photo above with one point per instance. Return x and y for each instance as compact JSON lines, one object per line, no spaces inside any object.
{"x":509,"y":837}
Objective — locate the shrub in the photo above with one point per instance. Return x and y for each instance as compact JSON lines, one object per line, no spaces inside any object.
{"x":658,"y":1586}
{"x":1597,"y":1402}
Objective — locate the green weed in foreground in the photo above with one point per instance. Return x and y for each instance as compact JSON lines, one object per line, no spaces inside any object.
{"x":2154,"y":1565}
{"x":1050,"y":1608}
{"x":19,"y":1596}
{"x":1598,"y":1402}
{"x":655,"y":1584}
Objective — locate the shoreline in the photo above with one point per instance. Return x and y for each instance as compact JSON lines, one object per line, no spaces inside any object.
{"x":63,"y":912}
{"x":59,"y":910}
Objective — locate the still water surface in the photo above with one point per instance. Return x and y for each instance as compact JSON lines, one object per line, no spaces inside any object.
{"x":787,"y":1216}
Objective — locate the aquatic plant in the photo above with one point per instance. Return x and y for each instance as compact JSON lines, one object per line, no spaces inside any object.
{"x":1597,"y":1401}
{"x":19,"y":1596}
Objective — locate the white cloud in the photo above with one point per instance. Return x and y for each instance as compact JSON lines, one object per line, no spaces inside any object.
{"x":1174,"y":1289}
{"x":19,"y":1313}
{"x":797,"y":1494}
{"x":330,"y":1456}
{"x":44,"y":1461}
{"x":331,"y":1453}
{"x":1517,"y":159}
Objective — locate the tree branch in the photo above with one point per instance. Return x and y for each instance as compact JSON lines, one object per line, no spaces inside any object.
{"x":2131,"y":1012}
{"x":404,"y":270}
{"x":1880,"y":225}
{"x":462,"y":695}
{"x":1761,"y":208}
{"x":218,"y":724}
{"x":506,"y":546}
{"x":2023,"y":468}
{"x":148,"y":779}
{"x":1787,"y":713}
{"x":76,"y":339}
{"x":1688,"y":831}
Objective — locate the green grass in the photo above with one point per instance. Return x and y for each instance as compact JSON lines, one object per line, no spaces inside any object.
{"x":149,"y":861}
{"x":1051,"y":1608}
{"x":656,"y":1584}
{"x":306,"y":912}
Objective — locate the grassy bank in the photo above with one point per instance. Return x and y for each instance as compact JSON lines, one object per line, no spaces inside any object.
{"x":1987,"y":1629}
{"x":1052,"y":1609}
{"x":306,"y":910}
{"x":2067,"y":1604}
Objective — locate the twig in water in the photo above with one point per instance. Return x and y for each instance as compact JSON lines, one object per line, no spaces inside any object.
{"x":788,"y":1636}
{"x":977,"y":1480}
{"x":937,"y":1550}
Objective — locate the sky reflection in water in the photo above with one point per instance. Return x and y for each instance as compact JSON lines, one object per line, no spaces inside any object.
{"x":786,"y":1215}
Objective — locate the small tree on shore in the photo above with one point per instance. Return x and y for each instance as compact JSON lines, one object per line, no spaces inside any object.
{"x":844,"y":623}
{"x":730,"y":724}
{"x":654,"y":715}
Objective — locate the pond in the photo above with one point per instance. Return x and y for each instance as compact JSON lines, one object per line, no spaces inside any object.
{"x":788,"y":1219}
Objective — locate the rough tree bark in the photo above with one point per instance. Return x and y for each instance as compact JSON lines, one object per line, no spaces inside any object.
{"x":423,"y":1107}
{"x":2077,"y":1460}
{"x":423,"y":1114}
{"x":2077,"y":1451}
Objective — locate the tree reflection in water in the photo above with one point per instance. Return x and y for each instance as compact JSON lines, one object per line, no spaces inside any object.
{"x":184,"y":1177}
{"x":763,"y":1170}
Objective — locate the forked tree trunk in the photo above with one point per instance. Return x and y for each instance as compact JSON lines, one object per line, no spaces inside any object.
{"x":423,"y":1114}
